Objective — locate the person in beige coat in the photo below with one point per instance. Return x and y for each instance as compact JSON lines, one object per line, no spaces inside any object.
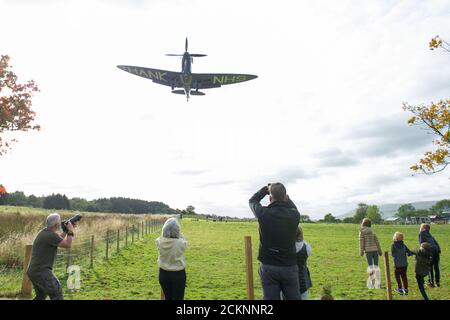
{"x":171,"y":260}
{"x":369,"y":244}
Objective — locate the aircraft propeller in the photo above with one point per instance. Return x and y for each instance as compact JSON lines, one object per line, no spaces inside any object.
{"x":197,"y":55}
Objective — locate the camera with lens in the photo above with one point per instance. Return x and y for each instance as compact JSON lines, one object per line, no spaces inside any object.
{"x":72,"y":220}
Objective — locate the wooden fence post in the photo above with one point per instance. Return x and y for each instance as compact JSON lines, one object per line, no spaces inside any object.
{"x":107,"y":243}
{"x":26,"y":282}
{"x":143,"y":229}
{"x":118,"y":240}
{"x":132,"y":233}
{"x":126,"y":237}
{"x":92,"y":251}
{"x":249,"y":267}
{"x":388,"y":276}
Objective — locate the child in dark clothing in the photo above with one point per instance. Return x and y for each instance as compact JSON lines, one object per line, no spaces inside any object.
{"x":425,"y":236}
{"x":422,"y":265}
{"x":400,"y":252}
{"x":303,"y":250}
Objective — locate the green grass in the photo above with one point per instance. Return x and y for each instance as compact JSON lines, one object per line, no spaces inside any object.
{"x":216,"y":266}
{"x":20,"y":225}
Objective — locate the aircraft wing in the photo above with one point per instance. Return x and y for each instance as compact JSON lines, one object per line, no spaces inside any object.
{"x":164,"y":77}
{"x":215,"y":80}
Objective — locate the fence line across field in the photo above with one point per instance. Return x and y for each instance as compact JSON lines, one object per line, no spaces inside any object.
{"x":92,"y":248}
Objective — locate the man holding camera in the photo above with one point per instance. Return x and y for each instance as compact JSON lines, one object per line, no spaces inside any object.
{"x":45,"y":247}
{"x":278,"y":224}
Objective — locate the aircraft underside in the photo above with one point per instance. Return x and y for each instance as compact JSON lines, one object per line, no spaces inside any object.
{"x":190,"y":83}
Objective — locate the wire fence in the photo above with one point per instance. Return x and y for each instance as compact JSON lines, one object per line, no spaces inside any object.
{"x":101,"y":247}
{"x":86,"y":252}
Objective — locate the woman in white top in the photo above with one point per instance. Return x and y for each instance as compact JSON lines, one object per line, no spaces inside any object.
{"x":171,"y":261}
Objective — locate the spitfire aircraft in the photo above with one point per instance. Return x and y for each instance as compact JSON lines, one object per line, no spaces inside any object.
{"x":188,"y":81}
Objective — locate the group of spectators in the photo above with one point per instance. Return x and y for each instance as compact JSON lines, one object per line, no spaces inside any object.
{"x":427,"y":258}
{"x":283,"y":253}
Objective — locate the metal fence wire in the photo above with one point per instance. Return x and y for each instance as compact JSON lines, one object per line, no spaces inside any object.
{"x":87,"y":251}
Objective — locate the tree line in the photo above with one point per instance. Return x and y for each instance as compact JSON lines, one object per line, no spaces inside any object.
{"x":441,"y":208}
{"x":61,"y":202}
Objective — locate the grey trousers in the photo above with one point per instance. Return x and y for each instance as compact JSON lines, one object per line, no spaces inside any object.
{"x":46,"y":284}
{"x":275,"y":279}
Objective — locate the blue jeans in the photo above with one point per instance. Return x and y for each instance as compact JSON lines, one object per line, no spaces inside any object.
{"x":372,"y":258}
{"x":275,"y":279}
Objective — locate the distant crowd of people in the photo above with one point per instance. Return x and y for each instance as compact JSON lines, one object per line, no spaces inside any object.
{"x":283,"y":253}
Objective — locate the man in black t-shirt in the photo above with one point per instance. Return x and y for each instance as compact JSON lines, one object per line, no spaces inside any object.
{"x":45,"y":247}
{"x":278,"y":224}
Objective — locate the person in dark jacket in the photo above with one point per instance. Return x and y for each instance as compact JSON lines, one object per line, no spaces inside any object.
{"x":425,"y":236}
{"x":400,"y":252}
{"x":278,"y":224}
{"x":422,"y":265}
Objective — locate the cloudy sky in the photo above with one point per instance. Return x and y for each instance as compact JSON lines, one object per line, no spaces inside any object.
{"x":324,"y":115}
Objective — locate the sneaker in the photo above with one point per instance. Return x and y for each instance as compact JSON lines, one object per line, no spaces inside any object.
{"x":438,"y":284}
{"x":405,"y":291}
{"x":430,"y":284}
{"x":399,"y":291}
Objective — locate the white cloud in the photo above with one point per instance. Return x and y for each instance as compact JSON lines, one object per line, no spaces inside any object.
{"x":327,"y":71}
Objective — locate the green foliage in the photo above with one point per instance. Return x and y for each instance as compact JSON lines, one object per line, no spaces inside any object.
{"x":112,"y":205}
{"x":373,"y":213}
{"x":326,"y":293}
{"x":440,"y":207}
{"x":422,"y":213}
{"x":348,"y":220}
{"x":360,"y":213}
{"x":17,"y":198}
{"x":190,"y":210}
{"x":57,"y":202}
{"x":406,"y":211}
{"x":305,"y":219}
{"x":329,"y":218}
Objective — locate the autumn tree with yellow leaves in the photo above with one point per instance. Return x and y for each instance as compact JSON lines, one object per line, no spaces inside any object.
{"x":436,"y":118}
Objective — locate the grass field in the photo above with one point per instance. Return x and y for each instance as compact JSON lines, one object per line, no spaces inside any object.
{"x":216,"y":266}
{"x":19,"y":226}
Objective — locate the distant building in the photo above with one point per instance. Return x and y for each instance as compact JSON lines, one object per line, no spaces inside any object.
{"x":393,"y":220}
{"x":417,"y":220}
{"x":437,"y":219}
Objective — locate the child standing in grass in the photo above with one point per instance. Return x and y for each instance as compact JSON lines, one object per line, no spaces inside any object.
{"x":400,"y":252}
{"x":303,"y":250}
{"x":422,"y":265}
